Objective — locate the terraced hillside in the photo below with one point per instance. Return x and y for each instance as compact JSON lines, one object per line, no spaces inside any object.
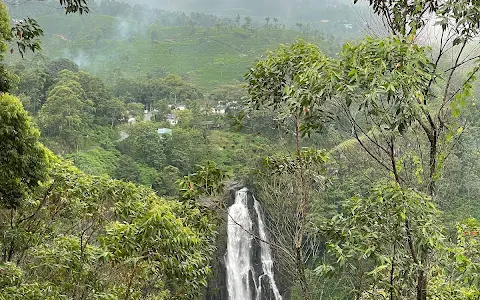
{"x":206,"y":56}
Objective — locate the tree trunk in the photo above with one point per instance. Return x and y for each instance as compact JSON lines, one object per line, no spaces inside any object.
{"x":433,"y":164}
{"x":421,"y":285}
{"x":130,"y":281}
{"x":422,"y":280}
{"x":301,"y":274}
{"x":11,"y":249}
{"x":302,"y":214}
{"x":392,"y":272}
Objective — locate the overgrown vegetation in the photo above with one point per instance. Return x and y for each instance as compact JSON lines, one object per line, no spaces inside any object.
{"x":121,"y":126}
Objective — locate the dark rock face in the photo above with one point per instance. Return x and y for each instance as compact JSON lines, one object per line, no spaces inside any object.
{"x":217,"y":287}
{"x":267,"y":293}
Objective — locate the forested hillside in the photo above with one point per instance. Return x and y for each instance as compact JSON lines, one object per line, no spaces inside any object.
{"x":130,"y":132}
{"x":208,"y":49}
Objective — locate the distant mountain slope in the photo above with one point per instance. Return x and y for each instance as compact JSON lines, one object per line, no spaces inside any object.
{"x":278,"y":8}
{"x":208,"y":57}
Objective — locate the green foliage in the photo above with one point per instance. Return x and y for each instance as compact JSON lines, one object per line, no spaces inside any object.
{"x":54,"y":67}
{"x":177,"y":88}
{"x":207,"y":180}
{"x":386,"y":79}
{"x":27,"y":33}
{"x":77,"y":111}
{"x":147,"y":91}
{"x":32,"y":85}
{"x":127,"y":169}
{"x":377,"y":75}
{"x":288,"y":81}
{"x":84,"y":237}
{"x":231,"y":96}
{"x":5,"y":84}
{"x":66,"y":113}
{"x":108,"y":110}
{"x":282,"y":69}
{"x":289,"y":186}
{"x":185,"y":148}
{"x":14,"y":285}
{"x":405,"y":18}
{"x":135,"y":109}
{"x":70,"y":265}
{"x":402,"y":16}
{"x":94,"y":88}
{"x":165,"y":241}
{"x":310,"y":159}
{"x":146,"y":145}
{"x":462,"y":16}
{"x":76,"y":236}
{"x":23,"y":160}
{"x":379,"y":240}
{"x":387,"y":93}
{"x":111,"y":111}
{"x":457,"y":277}
{"x":166,"y":182}
{"x":97,"y":161}
{"x":73,"y":6}
{"x":213,"y":58}
{"x":322,"y":287}
{"x":5,"y":80}
{"x":4,"y":28}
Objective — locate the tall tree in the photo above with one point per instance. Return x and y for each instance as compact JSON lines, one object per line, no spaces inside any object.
{"x":288,"y":186}
{"x":32,"y":84}
{"x":23,"y":160}
{"x":66,"y":114}
{"x":400,"y":100}
{"x":282,"y":82}
{"x":408,"y":93}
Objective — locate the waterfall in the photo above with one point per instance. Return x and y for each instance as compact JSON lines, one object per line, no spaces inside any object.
{"x":239,"y":244}
{"x":266,"y":256}
{"x":243,"y":282}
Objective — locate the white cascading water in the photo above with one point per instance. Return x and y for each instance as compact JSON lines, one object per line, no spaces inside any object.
{"x":239,"y":244}
{"x":266,"y":256}
{"x":240,"y":271}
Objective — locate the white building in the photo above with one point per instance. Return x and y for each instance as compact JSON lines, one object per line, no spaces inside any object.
{"x":219,"y":110}
{"x":172,"y":120}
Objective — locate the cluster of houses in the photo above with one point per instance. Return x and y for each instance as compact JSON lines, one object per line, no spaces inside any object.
{"x":223,"y":107}
{"x":171,"y":118}
{"x":220,"y":109}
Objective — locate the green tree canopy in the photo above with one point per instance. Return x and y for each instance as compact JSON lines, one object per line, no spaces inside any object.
{"x":146,"y":145}
{"x":4,"y":28}
{"x":23,"y":160}
{"x":89,"y":237}
{"x":67,"y":113}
